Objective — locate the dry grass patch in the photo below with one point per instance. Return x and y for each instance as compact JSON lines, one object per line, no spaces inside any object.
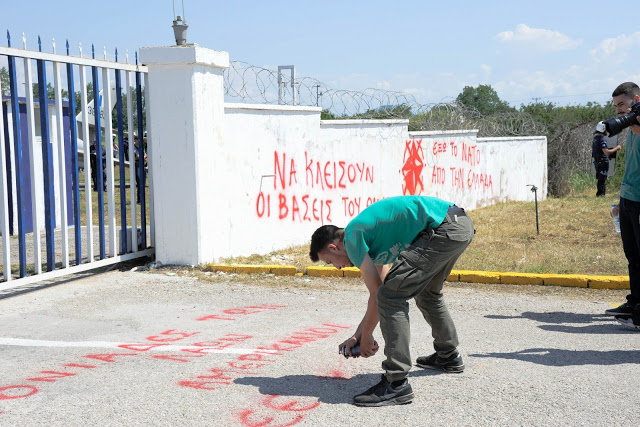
{"x":576,"y":237}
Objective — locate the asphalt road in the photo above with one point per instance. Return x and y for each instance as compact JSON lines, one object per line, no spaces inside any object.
{"x":162,"y":349}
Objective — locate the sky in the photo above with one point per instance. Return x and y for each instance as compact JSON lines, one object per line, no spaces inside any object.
{"x":566,"y":52}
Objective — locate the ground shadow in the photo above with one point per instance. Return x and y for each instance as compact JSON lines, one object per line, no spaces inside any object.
{"x":558,"y":321}
{"x":554,"y":317}
{"x":333,"y":390}
{"x":327,"y":389}
{"x":562,"y":357}
{"x":44,"y":284}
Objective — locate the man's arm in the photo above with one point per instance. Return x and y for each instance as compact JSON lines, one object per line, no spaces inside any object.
{"x":610,"y":151}
{"x":372,"y":276}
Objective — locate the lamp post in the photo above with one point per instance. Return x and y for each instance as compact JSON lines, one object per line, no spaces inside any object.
{"x":534,"y":190}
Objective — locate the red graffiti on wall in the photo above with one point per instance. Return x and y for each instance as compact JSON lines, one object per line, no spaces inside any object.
{"x":412,"y":169}
{"x":464,"y":176}
{"x":292,"y":196}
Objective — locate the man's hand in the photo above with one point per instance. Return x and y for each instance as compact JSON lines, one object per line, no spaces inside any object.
{"x":348,"y":344}
{"x":368,"y":346}
{"x":615,"y":210}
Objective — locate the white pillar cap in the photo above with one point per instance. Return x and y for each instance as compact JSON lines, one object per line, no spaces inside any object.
{"x":186,"y":54}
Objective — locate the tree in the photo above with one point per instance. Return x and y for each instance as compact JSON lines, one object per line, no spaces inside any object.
{"x":483,"y":99}
{"x":78,"y":97}
{"x":51,"y":92}
{"x":125,"y":114}
{"x":4,"y":80}
{"x":325,"y":114}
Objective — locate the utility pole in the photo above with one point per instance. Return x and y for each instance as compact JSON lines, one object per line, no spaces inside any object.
{"x":318,"y":95}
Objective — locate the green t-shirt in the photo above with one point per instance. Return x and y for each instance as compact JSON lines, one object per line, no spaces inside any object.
{"x":388,"y":226}
{"x":630,"y":187}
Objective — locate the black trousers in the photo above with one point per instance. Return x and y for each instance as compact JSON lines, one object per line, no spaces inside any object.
{"x":630,"y":233}
{"x":602,"y":169}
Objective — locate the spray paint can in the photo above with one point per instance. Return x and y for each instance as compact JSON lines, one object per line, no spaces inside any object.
{"x":355,"y":351}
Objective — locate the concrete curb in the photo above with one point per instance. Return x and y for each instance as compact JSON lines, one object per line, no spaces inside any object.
{"x":509,"y":278}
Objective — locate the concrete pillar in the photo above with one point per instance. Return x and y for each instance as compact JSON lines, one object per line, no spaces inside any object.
{"x":186,"y":115}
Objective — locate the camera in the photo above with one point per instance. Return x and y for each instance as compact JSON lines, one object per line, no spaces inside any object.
{"x":615,"y":125}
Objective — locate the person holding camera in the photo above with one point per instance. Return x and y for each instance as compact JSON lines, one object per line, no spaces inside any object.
{"x":600,"y":153}
{"x":422,"y":237}
{"x":626,"y":99}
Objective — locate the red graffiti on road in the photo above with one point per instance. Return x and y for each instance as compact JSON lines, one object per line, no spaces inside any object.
{"x":242,"y":311}
{"x":250,"y":364}
{"x":289,"y":407}
{"x":164,"y":338}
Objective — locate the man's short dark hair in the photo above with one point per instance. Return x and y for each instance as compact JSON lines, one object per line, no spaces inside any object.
{"x":321,"y":238}
{"x":629,"y":89}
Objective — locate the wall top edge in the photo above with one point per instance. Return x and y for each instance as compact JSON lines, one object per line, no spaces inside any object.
{"x":512,"y":138}
{"x":364,"y":122}
{"x":270,"y":107}
{"x":184,"y":55}
{"x":443,"y":132}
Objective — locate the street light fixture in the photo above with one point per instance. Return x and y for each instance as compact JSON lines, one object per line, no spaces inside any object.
{"x":179,"y":26}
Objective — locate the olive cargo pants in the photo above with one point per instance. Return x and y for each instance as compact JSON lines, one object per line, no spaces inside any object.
{"x":419,"y":272}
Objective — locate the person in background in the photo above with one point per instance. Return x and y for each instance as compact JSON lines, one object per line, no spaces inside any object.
{"x":600,"y":153}
{"x":624,"y":96}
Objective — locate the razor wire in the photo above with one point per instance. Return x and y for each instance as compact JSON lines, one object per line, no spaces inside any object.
{"x":249,"y":83}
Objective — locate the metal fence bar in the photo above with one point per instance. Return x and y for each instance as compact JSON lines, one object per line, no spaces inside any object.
{"x":47,"y":163}
{"x":108,"y":146}
{"x":87,"y":163}
{"x":62,"y":175}
{"x":141,"y":190}
{"x":90,"y":62}
{"x":17,"y":143}
{"x":100,"y":184}
{"x":149,"y":148}
{"x":4,"y":209}
{"x":133,"y":167}
{"x":121,"y":160}
{"x":73,"y":270}
{"x":74,"y":163}
{"x":35,"y":212}
{"x":11,"y":182}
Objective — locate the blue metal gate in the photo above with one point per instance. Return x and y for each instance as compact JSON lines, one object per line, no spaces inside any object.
{"x":42,"y":179}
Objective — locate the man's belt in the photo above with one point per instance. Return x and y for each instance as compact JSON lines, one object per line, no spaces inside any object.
{"x":456,"y":210}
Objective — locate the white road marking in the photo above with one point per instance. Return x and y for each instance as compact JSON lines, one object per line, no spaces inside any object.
{"x":116,"y":345}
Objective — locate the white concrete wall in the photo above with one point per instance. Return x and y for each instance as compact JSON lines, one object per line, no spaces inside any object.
{"x":285,"y":172}
{"x":237,"y":179}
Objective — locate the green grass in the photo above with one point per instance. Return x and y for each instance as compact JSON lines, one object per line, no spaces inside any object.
{"x":94,"y":200}
{"x":576,"y":237}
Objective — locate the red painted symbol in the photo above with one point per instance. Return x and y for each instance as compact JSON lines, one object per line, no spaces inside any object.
{"x":412,"y":168}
